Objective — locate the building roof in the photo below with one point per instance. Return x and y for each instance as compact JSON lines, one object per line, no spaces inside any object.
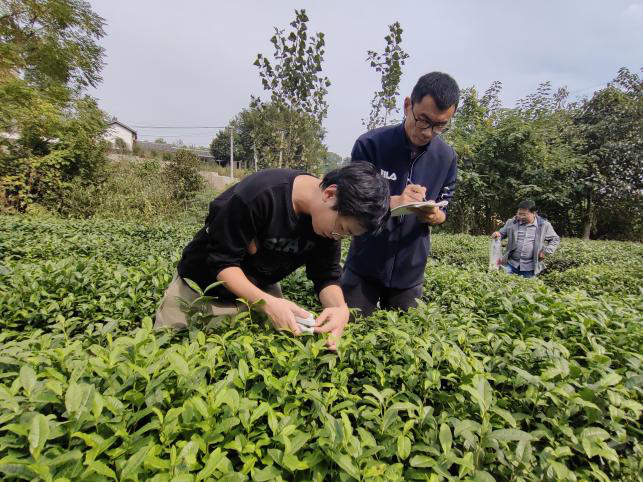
{"x":123,"y":126}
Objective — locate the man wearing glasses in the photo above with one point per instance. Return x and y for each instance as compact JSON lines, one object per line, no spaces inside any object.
{"x":266,"y":226}
{"x":388,"y":268}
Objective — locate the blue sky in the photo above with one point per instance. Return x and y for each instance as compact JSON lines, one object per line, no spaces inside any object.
{"x":189,"y":63}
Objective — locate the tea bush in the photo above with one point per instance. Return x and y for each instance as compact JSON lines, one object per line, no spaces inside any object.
{"x":598,"y":279}
{"x":492,"y":377}
{"x":596,"y":266}
{"x":127,"y":243}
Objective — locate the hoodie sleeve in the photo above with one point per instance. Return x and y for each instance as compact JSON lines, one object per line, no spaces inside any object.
{"x":448,"y":189}
{"x":323,"y":267}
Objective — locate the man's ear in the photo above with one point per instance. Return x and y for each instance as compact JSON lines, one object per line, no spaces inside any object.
{"x":329,"y":194}
{"x":407,"y":104}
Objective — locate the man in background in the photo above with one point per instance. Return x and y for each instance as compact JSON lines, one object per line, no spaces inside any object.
{"x":529,"y":239}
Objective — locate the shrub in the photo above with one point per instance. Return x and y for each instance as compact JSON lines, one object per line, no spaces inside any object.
{"x":137,"y":151}
{"x":128,"y":191}
{"x":120,"y":146}
{"x":182,"y":173}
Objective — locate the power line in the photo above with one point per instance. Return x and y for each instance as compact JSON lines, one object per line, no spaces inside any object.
{"x":576,"y":92}
{"x":175,"y":135}
{"x":180,"y":127}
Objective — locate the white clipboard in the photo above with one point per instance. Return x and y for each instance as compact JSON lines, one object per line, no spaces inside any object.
{"x":408,"y":208}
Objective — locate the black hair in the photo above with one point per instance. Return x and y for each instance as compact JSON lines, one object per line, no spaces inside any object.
{"x":362,"y":193}
{"x":440,"y":86}
{"x":529,"y":205}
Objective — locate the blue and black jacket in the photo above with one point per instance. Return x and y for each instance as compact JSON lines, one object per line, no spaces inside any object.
{"x":397,"y":256}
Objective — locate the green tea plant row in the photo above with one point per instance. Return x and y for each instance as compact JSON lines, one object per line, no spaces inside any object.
{"x":493,"y":377}
{"x":130,"y":243}
{"x":49,"y":239}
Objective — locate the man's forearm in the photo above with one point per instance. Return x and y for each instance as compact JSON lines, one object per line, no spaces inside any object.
{"x":238,"y":283}
{"x":332,"y":296}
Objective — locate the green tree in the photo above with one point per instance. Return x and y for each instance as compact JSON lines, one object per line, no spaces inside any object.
{"x":294,"y":81}
{"x":280,"y":138}
{"x":50,"y":131}
{"x":297,"y":104}
{"x":389,"y":65}
{"x":220,"y":145}
{"x":333,"y":161}
{"x":548,"y":178}
{"x":507,"y":155}
{"x":610,"y":124}
{"x":49,"y":145}
{"x":474,"y":196}
{"x":580,"y":162}
{"x":51,"y":42}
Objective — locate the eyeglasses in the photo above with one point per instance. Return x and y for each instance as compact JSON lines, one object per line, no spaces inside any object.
{"x":337,"y":236}
{"x":436,"y":127}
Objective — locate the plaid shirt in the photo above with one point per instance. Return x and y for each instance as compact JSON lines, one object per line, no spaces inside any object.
{"x":523,"y":257}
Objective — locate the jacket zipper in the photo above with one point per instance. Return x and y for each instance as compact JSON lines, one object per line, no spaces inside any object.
{"x":399,"y":234}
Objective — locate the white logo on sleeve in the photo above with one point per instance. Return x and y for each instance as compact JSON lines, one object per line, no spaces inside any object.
{"x":386,"y":175}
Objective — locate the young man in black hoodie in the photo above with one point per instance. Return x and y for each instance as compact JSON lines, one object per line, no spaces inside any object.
{"x":266,"y":226}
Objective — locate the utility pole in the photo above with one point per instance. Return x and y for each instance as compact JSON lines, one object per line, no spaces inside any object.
{"x":254,"y":151}
{"x":231,"y":151}
{"x":281,"y":149}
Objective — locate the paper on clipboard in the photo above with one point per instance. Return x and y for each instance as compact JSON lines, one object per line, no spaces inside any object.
{"x":408,"y":208}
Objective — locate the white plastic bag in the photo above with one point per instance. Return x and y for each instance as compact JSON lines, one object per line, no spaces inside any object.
{"x":495,"y":253}
{"x":306,"y":324}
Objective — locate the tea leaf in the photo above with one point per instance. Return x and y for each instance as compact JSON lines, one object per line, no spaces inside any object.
{"x":178,"y":364}
{"x":403,"y":447}
{"x":214,"y":460}
{"x":445,"y":438}
{"x":27,"y":379}
{"x":102,"y":469}
{"x":38,"y":434}
{"x":267,"y":473}
{"x":133,"y":463}
{"x":510,"y":434}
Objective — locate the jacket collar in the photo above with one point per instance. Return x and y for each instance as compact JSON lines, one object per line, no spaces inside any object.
{"x":539,"y":221}
{"x":406,"y":143}
{"x":401,"y":134}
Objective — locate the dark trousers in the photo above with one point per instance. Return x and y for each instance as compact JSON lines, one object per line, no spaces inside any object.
{"x":510,"y":269}
{"x":365,"y":294}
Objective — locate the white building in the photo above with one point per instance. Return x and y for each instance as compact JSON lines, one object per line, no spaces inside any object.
{"x":118,"y":130}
